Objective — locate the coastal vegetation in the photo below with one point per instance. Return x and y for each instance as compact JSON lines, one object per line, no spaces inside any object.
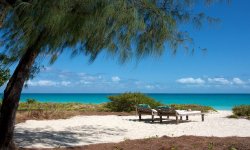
{"x":123,"y":104}
{"x":241,"y":111}
{"x":193,"y":107}
{"x":35,"y":105}
{"x":35,"y":110}
{"x":118,"y":104}
{"x":127,"y":102}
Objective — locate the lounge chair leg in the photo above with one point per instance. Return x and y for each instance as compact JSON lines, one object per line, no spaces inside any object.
{"x":186,"y":117}
{"x":181,"y":118}
{"x":152,"y":118}
{"x":139,"y":117}
{"x":177,"y":121}
{"x":160,"y":119}
{"x":202,"y":117}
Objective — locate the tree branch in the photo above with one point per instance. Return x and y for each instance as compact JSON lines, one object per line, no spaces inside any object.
{"x":4,"y":5}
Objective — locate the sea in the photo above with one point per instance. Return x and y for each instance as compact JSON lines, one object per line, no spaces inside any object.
{"x":218,"y":101}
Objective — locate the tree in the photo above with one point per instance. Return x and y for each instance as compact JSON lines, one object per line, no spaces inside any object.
{"x":128,"y":29}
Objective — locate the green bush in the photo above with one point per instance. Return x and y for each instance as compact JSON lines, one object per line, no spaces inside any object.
{"x":192,"y":107}
{"x":233,"y":116}
{"x":31,"y":101}
{"x":33,"y":104}
{"x":242,"y":110}
{"x":126,"y":102}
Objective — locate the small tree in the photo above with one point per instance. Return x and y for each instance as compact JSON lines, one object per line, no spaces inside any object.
{"x":127,"y":102}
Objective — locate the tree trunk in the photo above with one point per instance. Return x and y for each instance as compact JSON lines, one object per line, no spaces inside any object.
{"x":12,"y":95}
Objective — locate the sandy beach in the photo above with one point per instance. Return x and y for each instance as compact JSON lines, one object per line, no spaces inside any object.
{"x":85,"y":130}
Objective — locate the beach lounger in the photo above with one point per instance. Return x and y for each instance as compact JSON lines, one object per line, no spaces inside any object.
{"x":145,"y":109}
{"x":180,"y":113}
{"x":167,"y":111}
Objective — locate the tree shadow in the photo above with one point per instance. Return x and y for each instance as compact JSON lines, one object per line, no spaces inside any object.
{"x":42,"y":137}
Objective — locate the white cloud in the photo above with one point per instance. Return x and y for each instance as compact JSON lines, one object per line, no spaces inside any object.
{"x":46,"y":69}
{"x":65,"y":83}
{"x":149,"y":87}
{"x":62,"y":76}
{"x":85,"y":82}
{"x":190,"y":81}
{"x":88,"y":77}
{"x":82,"y":74}
{"x":42,"y":83}
{"x":224,"y":81}
{"x":115,"y":79}
{"x":219,"y":80}
{"x":137,"y":82}
{"x":48,"y":83}
{"x":238,"y":81}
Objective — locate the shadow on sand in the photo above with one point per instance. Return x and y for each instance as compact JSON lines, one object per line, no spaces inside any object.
{"x":157,"y":121}
{"x":42,"y":137}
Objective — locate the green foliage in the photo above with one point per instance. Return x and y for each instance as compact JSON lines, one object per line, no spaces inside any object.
{"x":32,"y":104}
{"x":232,"y":148}
{"x":242,"y":111}
{"x":5,"y":61}
{"x":31,"y":101}
{"x":233,"y":116}
{"x":93,"y":26}
{"x":124,"y":102}
{"x":211,"y":146}
{"x":193,"y":107}
{"x":127,"y":102}
{"x":4,"y":75}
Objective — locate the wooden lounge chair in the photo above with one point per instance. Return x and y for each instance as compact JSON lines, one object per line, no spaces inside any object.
{"x":145,"y":109}
{"x":165,"y":111}
{"x":187,"y":113}
{"x":168,"y":111}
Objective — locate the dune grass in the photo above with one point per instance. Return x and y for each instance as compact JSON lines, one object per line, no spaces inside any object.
{"x":241,"y":111}
{"x":193,"y":107}
{"x":35,"y":110}
{"x":35,"y":105}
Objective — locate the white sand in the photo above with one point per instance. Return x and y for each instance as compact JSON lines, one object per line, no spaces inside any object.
{"x":85,"y":130}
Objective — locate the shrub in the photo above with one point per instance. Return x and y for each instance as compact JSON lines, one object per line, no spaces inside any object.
{"x":242,"y":110}
{"x":31,"y":101}
{"x":192,"y":107}
{"x":233,"y":116}
{"x":36,"y":105}
{"x":127,"y":101}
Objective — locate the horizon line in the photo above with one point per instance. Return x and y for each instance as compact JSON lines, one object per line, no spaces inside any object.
{"x":125,"y":92}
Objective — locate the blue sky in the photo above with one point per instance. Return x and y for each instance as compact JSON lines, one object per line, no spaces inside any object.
{"x":223,"y":68}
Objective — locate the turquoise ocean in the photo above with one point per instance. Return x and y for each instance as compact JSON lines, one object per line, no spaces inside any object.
{"x":218,"y":101}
